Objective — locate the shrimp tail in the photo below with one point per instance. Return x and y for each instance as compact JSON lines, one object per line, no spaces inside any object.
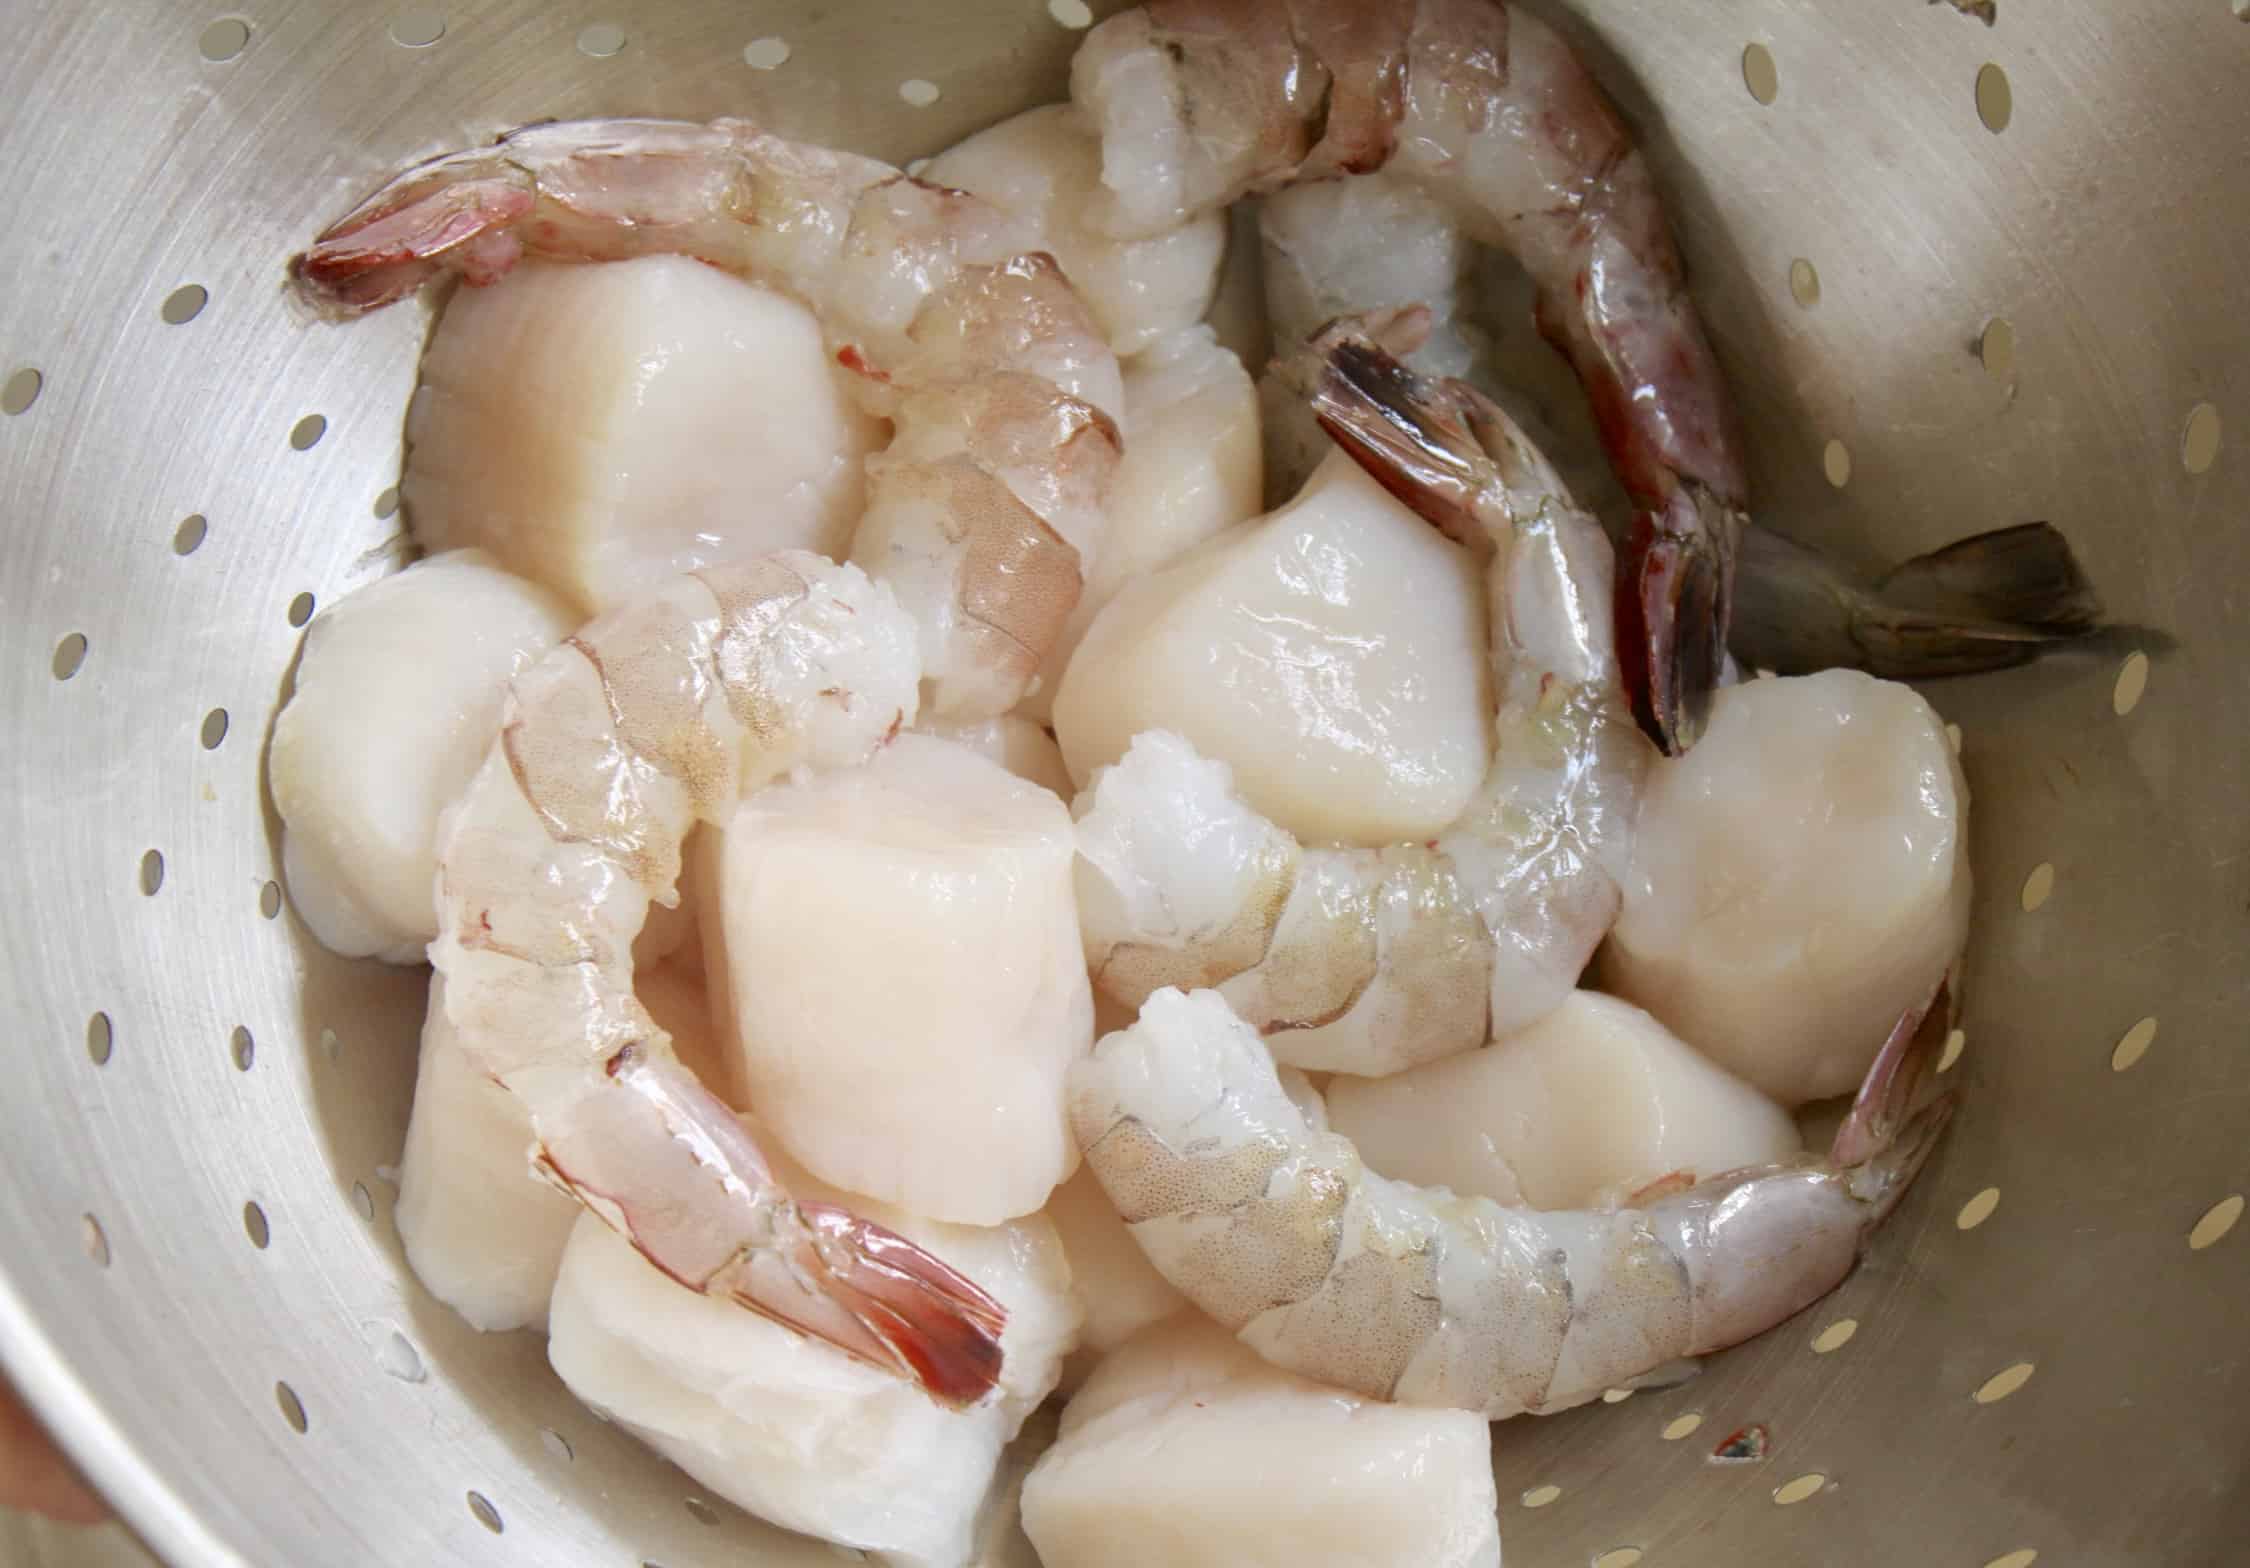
{"x":2025,"y":575}
{"x":1885,"y":1140}
{"x":1987,"y":602}
{"x":1985,"y":11}
{"x":1767,"y":1242}
{"x":1884,"y":1104}
{"x":1436,"y":443}
{"x":1675,"y":601}
{"x":405,"y":235}
{"x":1403,"y":429}
{"x":1439,"y":445}
{"x":943,"y":1329}
{"x":668,"y":1166}
{"x":1882,"y":1180}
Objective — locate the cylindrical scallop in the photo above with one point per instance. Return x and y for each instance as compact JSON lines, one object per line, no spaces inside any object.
{"x":1592,"y":1103}
{"x":1116,"y":1284}
{"x":396,"y":701}
{"x":482,"y":1233}
{"x":1800,"y":880}
{"x":675,"y":997}
{"x":1015,"y":742}
{"x":1191,"y":468}
{"x":796,"y":1431}
{"x":1333,"y":654}
{"x":599,"y":428}
{"x":1185,"y":1449}
{"x":906,"y":979}
{"x":1041,"y":166}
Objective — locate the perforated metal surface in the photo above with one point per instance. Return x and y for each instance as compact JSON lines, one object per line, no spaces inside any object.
{"x":1960,"y":276}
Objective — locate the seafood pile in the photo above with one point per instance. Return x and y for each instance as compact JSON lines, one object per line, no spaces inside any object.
{"x":973,"y":845}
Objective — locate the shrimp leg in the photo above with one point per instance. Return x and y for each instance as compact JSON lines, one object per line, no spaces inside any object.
{"x":1487,"y":110}
{"x":1279,"y":1231}
{"x":1368,"y":961}
{"x":656,"y":716}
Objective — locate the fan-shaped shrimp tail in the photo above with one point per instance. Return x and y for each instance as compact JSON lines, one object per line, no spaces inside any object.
{"x":1985,"y":602}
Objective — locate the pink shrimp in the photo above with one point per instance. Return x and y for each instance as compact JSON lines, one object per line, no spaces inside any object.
{"x":1371,"y":960}
{"x":990,"y":502}
{"x":1275,"y":1227}
{"x":1202,"y":101}
{"x":981,"y":515}
{"x":657,"y":715}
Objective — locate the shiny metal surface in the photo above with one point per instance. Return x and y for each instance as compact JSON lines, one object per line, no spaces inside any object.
{"x":2107,"y":224}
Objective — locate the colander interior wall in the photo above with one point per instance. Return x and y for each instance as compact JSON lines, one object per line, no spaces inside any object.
{"x":1960,"y":277}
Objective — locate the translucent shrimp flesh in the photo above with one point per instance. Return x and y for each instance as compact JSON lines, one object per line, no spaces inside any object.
{"x":654,"y":717}
{"x":1413,"y":1294}
{"x":1487,"y":109}
{"x":1370,"y":960}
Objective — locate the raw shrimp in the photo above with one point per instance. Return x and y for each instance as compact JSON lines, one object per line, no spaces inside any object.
{"x":1370,"y":960}
{"x":989,"y":503}
{"x":1414,"y":1294}
{"x":1201,"y":101}
{"x":1377,"y":242}
{"x":656,"y":716}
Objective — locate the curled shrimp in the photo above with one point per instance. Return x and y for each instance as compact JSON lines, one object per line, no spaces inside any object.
{"x":1277,"y":1230}
{"x":1484,"y":107}
{"x":1371,"y":960}
{"x":988,"y":505}
{"x":658,"y":715}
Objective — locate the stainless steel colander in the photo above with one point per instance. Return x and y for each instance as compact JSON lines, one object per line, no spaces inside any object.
{"x":1960,"y":276}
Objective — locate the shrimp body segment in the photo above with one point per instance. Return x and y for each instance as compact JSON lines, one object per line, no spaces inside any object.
{"x":1325,"y":1268}
{"x":654,"y":717}
{"x":1486,"y":108}
{"x":988,"y":506}
{"x":1368,"y":961}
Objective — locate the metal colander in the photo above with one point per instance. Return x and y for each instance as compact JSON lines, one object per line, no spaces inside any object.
{"x":1960,"y":277}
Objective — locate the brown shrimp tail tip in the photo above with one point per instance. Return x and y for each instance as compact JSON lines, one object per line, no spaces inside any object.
{"x":2024,"y":578}
{"x":1414,"y":435}
{"x":939,"y":1324}
{"x":1986,"y":602}
{"x":1675,"y":598}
